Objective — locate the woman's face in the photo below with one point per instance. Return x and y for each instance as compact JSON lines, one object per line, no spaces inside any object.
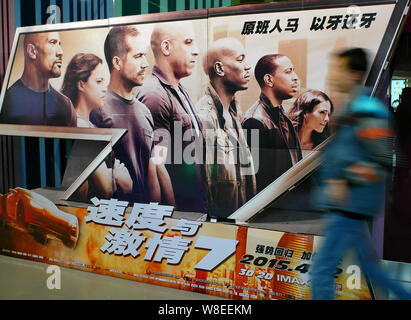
{"x":95,"y":88}
{"x":319,"y":117}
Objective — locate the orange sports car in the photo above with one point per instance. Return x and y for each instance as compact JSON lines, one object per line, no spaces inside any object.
{"x":30,"y":212}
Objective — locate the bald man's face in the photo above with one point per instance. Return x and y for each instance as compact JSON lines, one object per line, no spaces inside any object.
{"x":184,"y":52}
{"x":236,"y":70}
{"x":48,"y":54}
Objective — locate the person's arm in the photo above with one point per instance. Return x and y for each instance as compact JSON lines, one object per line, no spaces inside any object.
{"x":167,"y":192}
{"x":337,"y":191}
{"x":374,"y":132}
{"x":377,"y":137}
{"x":153,"y":183}
{"x":252,"y":125}
{"x":100,"y":119}
{"x":122,"y":177}
{"x":159,"y":181}
{"x":103,"y":182}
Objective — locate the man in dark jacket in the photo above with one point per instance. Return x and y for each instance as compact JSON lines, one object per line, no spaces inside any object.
{"x":229,"y":165}
{"x":177,"y":127}
{"x":279,"y":147}
{"x":352,"y":177}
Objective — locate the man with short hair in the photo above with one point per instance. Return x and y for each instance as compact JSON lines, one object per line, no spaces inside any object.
{"x":125,"y":52}
{"x":279,"y":147}
{"x":31,"y":100}
{"x":352,"y":177}
{"x":229,"y":165}
{"x":175,"y":53}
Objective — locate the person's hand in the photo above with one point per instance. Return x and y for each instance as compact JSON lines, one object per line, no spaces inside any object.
{"x":122,"y":177}
{"x":337,"y":191}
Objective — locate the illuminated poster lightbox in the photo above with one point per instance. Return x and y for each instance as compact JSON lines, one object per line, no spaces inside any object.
{"x":211,"y":101}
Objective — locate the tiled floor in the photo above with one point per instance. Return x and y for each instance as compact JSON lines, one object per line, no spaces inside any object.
{"x":25,"y":279}
{"x":400,"y":272}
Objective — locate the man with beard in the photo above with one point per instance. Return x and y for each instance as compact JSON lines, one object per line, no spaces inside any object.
{"x":31,"y":100}
{"x":125,"y":52}
{"x":229,"y":165}
{"x":175,"y":53}
{"x":279,"y":148}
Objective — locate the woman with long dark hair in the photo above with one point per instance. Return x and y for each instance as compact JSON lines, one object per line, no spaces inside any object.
{"x":310,"y":116}
{"x":85,"y":84}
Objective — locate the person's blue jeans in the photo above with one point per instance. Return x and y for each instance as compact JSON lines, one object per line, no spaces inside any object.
{"x":343,"y":233}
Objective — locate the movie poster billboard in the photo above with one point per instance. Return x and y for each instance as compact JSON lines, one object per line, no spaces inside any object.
{"x":188,"y":87}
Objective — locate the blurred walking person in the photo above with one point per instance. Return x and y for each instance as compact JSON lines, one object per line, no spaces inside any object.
{"x":353,"y":177}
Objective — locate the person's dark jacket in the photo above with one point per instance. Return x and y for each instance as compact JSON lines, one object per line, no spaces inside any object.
{"x":366,"y":139}
{"x":275,"y":154}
